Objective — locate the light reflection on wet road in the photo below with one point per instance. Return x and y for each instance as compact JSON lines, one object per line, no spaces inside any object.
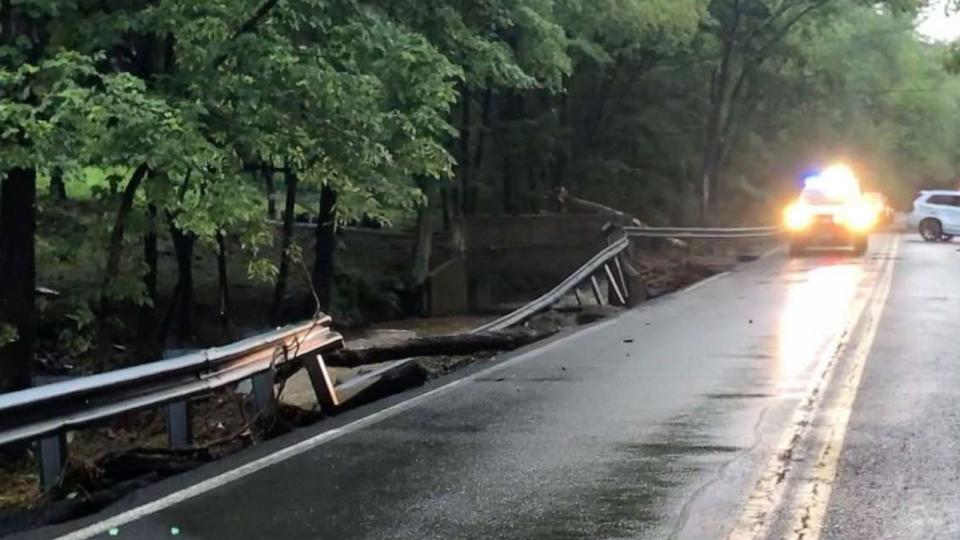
{"x":817,"y":306}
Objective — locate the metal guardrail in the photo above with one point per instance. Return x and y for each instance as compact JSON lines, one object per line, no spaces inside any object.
{"x":606,"y":265}
{"x":587,"y":271}
{"x":45,"y":413}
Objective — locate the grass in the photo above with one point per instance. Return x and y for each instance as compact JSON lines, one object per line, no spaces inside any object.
{"x":20,"y":486}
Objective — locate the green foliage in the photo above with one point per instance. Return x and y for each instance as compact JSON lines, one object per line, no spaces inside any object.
{"x":620,"y":100}
{"x":605,"y":27}
{"x":864,"y":89}
{"x":847,"y":80}
{"x":78,"y":337}
{"x":8,"y":334}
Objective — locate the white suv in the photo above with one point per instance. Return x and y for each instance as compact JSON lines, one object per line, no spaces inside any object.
{"x":936,"y":214}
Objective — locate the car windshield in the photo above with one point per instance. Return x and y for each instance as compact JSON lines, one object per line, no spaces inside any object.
{"x":816,"y":197}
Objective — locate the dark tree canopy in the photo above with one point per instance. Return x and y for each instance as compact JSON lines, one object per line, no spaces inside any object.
{"x":152,"y":124}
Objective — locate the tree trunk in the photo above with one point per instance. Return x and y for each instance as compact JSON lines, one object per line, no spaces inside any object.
{"x":115,"y":249}
{"x":58,"y":189}
{"x":421,"y":255}
{"x":271,"y":193}
{"x":532,"y":202}
{"x":465,"y":170}
{"x":224,"y":284}
{"x":183,"y":243}
{"x":420,"y":268}
{"x":508,"y":206}
{"x":713,"y":138}
{"x":148,"y":312}
{"x":456,"y":344}
{"x":513,"y":111}
{"x":280,"y":290}
{"x":18,"y":275}
{"x":445,"y":208}
{"x":168,"y":317}
{"x":562,"y":159}
{"x":325,"y":247}
{"x":470,"y":196}
{"x":710,"y":169}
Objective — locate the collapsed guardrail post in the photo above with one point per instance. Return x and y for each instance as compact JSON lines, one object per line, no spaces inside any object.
{"x":623,"y":279}
{"x":179,"y":425}
{"x":614,"y":286}
{"x":323,"y":384}
{"x":52,"y":458}
{"x":596,"y":290}
{"x":263,"y":397}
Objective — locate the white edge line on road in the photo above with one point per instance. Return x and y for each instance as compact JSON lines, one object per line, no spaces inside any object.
{"x":303,"y":446}
{"x":770,"y":252}
{"x":702,"y":283}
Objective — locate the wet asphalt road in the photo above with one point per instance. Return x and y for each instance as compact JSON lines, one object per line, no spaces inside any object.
{"x":653,"y":425}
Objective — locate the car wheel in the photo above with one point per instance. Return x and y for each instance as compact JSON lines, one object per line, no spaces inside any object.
{"x":931,"y":230}
{"x":860,"y":246}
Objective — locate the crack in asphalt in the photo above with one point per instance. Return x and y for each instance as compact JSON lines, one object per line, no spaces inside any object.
{"x":684,"y":517}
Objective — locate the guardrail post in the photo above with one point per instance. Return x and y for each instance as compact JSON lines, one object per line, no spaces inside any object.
{"x":52,"y":457}
{"x":179,"y":425}
{"x":596,"y":290}
{"x":623,"y":278}
{"x":322,"y":383}
{"x":263,"y":398}
{"x":614,"y":286}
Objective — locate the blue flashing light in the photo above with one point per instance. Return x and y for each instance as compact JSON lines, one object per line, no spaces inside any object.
{"x":809,"y":177}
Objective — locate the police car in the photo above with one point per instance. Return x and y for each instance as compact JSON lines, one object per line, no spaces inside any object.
{"x":830,"y":212}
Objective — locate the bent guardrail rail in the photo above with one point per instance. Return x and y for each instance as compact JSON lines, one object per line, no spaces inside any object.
{"x":45,"y":413}
{"x":606,"y":265}
{"x":585,"y":272}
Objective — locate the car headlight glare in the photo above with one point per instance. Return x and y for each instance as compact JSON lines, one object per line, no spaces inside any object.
{"x":797,"y":217}
{"x":861,"y":217}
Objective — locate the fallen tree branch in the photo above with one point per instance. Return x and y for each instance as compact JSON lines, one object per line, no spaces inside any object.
{"x":569,"y":202}
{"x":456,"y":344}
